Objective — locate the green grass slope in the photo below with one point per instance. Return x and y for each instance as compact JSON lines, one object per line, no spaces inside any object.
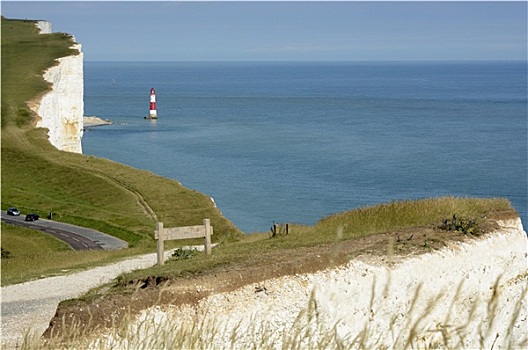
{"x":88,"y":191}
{"x":127,"y":202}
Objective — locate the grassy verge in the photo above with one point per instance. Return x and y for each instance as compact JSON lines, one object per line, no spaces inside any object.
{"x":403,"y":214}
{"x":351,"y":225}
{"x":30,"y":254}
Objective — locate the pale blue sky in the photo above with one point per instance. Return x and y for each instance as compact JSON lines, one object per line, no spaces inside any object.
{"x":284,"y":31}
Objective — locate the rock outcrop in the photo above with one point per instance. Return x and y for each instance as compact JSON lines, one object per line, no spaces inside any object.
{"x":61,"y":109}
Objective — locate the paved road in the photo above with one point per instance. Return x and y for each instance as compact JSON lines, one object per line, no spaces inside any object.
{"x":79,"y":238}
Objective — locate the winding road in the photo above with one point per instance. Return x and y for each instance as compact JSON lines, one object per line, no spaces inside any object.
{"x":28,"y":307}
{"x":79,"y":238}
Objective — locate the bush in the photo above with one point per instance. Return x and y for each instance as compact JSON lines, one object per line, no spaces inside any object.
{"x":182,"y":254}
{"x":6,"y":254}
{"x":461,"y":225}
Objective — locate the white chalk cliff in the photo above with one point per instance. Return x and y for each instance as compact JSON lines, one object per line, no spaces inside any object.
{"x":61,"y":109}
{"x":468,"y":295}
{"x":44,"y":27}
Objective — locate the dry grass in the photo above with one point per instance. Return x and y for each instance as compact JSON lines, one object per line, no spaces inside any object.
{"x":410,"y":213}
{"x":310,"y":330}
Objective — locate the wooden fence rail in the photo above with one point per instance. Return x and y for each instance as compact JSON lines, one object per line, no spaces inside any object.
{"x":173,"y":233}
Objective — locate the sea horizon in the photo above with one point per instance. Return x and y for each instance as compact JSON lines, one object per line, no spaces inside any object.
{"x":313,"y":61}
{"x":295,"y":141}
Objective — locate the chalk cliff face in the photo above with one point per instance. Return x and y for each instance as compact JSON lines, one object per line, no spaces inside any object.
{"x":61,"y":109}
{"x":472,"y":293}
{"x":44,"y":27}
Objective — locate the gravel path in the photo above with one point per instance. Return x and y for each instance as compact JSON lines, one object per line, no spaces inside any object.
{"x":31,"y":305}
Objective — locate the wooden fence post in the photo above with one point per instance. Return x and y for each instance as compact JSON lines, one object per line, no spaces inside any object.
{"x":160,"y":243}
{"x":167,"y":234}
{"x":208,"y":248}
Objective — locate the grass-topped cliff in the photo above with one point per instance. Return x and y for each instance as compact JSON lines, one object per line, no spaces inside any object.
{"x":127,"y":202}
{"x":92,"y":192}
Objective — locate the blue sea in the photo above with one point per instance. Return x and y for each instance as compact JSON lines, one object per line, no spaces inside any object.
{"x":297,"y":141}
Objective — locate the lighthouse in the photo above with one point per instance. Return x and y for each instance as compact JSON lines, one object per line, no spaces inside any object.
{"x":153,"y":114}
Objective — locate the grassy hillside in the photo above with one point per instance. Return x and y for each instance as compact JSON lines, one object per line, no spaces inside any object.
{"x":92,"y":192}
{"x":127,"y":202}
{"x":25,"y":56}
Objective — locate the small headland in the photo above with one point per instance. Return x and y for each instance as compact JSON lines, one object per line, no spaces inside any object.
{"x":92,"y":121}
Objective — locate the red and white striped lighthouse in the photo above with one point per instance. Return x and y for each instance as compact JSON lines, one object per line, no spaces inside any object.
{"x":153,"y":114}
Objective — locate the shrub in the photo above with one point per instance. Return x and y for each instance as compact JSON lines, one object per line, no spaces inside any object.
{"x":6,"y":254}
{"x":461,"y":225}
{"x":182,"y":254}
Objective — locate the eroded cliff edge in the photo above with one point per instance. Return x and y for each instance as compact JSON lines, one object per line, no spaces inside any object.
{"x":468,"y":295}
{"x":61,"y":109}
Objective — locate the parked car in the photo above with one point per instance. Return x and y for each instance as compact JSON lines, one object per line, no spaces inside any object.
{"x":32,"y":217}
{"x":13,"y":211}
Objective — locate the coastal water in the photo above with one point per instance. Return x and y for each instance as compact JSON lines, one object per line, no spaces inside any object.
{"x":297,"y":141}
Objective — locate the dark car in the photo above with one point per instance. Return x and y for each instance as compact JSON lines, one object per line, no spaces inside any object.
{"x":32,"y":217}
{"x":13,"y":211}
